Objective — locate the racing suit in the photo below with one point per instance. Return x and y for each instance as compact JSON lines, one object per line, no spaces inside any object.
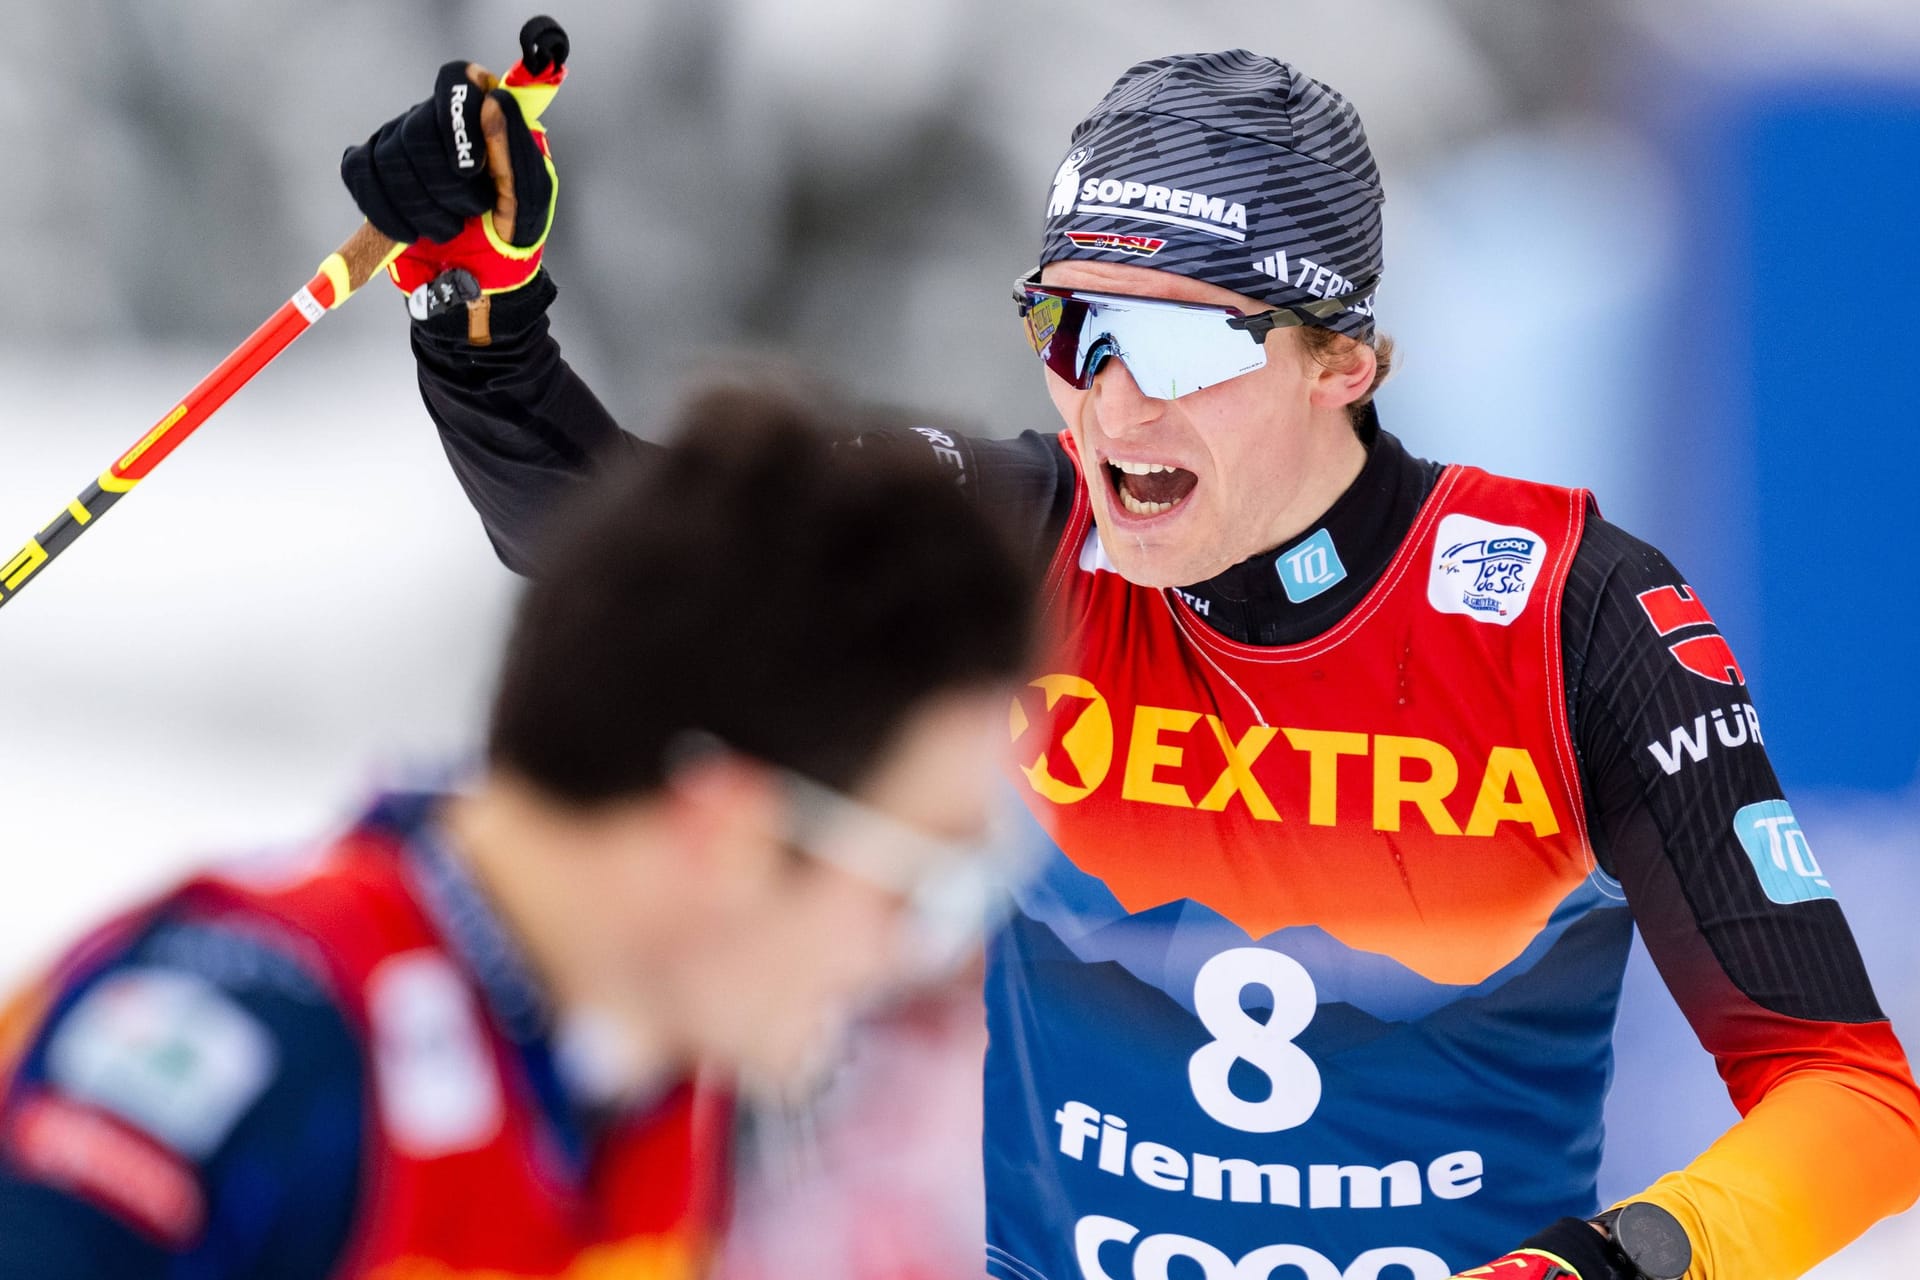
{"x":337,"y":1066}
{"x":1345,"y":847}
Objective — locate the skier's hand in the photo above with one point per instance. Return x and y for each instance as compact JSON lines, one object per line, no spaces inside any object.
{"x":1570,"y":1249}
{"x":1637,"y":1241}
{"x":456,"y":192}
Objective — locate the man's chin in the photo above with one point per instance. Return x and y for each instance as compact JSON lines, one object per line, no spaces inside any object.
{"x":1147,"y":560}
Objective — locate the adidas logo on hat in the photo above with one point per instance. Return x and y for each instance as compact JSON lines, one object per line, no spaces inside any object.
{"x":1307,"y":276}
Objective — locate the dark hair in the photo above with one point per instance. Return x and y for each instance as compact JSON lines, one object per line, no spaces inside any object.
{"x":793,"y":598}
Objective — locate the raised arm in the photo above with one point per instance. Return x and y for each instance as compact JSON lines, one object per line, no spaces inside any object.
{"x":519,"y":426}
{"x":465,"y":180}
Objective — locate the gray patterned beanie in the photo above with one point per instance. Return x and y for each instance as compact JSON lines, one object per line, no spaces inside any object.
{"x":1230,"y":168}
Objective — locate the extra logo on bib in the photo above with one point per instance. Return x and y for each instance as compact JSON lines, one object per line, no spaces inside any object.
{"x":1483,"y":570}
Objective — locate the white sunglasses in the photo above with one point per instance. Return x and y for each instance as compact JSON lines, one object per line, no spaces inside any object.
{"x":1171,"y":349}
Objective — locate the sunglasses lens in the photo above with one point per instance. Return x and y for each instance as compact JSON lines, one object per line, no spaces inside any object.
{"x":1172,"y":351}
{"x":1053,"y":327}
{"x":1042,"y":320}
{"x":1169,"y":348}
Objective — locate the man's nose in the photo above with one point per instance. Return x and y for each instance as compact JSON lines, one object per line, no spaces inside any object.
{"x":1122,"y":408}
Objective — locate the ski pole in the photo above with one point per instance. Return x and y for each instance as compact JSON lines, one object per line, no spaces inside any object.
{"x":542,"y":66}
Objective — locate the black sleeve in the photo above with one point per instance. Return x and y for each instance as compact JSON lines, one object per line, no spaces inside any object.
{"x":1680,"y":792}
{"x":194,"y":1107}
{"x":523,"y":431}
{"x":519,"y":426}
{"x":1026,"y":482}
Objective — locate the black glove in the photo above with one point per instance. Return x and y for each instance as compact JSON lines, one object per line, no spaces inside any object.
{"x":1571,"y":1249}
{"x":423,"y":174}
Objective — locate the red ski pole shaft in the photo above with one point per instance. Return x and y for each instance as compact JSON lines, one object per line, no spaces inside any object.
{"x":543,"y":55}
{"x":364,"y":253}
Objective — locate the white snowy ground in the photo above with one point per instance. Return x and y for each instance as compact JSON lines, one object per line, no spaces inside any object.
{"x":301,"y":604}
{"x":298,"y":602}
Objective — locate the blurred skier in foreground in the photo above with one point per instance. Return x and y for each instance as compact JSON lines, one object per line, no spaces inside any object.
{"x":494,"y":1029}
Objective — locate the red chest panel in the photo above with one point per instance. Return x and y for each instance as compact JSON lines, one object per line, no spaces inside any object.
{"x":462,"y":1179}
{"x":1404,"y":781}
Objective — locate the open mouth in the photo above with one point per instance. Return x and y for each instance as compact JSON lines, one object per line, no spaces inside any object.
{"x":1149,"y":488}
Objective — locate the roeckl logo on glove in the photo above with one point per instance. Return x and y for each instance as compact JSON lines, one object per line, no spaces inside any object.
{"x":462,"y":144}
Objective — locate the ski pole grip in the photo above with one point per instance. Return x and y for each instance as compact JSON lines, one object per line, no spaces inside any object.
{"x":543,"y":45}
{"x":543,"y":65}
{"x":532,"y":81}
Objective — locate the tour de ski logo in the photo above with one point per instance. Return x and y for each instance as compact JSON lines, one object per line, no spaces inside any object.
{"x":1483,"y":570}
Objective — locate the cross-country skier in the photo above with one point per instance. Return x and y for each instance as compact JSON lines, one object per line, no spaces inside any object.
{"x":1358,"y":769}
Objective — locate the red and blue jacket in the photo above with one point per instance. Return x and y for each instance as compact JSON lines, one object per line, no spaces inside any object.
{"x":335,"y":1068}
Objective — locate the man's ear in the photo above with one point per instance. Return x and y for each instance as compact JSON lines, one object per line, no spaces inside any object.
{"x":1344,"y":375}
{"x":727,"y":816}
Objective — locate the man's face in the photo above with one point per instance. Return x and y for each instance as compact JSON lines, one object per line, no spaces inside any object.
{"x":812,"y":943}
{"x":1255,"y":460}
